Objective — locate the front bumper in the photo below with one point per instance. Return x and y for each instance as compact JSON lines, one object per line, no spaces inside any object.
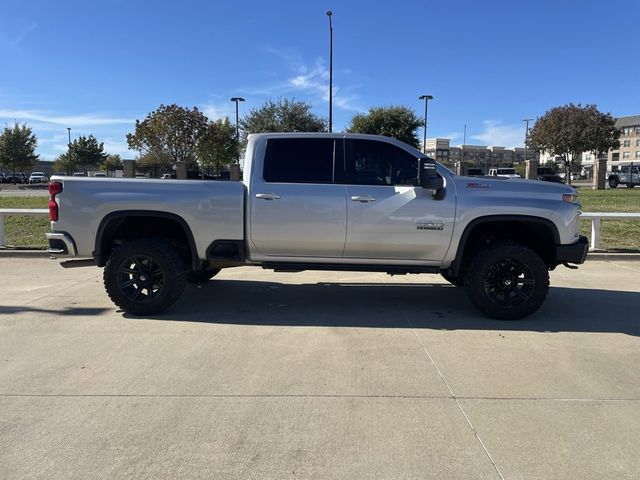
{"x":573,"y":253}
{"x":61,"y":244}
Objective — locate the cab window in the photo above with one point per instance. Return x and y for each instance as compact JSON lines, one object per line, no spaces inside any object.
{"x":371,"y":162}
{"x":299,"y":160}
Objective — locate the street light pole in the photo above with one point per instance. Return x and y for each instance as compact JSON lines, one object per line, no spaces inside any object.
{"x":236,"y":100}
{"x":426,"y":99}
{"x":69,"y":153}
{"x":329,"y":13}
{"x":526,"y":136}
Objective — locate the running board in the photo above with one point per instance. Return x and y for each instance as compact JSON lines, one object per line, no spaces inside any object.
{"x":349,"y":267}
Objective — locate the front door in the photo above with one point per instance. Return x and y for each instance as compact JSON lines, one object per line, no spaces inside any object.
{"x":389,"y":216}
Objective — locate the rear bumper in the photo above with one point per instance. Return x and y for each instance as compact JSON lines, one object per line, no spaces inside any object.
{"x":573,"y":253}
{"x":61,"y":244}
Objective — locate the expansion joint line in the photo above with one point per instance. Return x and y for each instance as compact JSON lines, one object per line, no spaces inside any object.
{"x":453,"y":395}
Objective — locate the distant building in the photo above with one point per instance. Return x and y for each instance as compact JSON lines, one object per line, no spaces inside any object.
{"x":481,"y":156}
{"x":629,"y":150}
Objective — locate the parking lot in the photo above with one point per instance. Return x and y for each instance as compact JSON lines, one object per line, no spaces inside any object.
{"x":259,"y":375}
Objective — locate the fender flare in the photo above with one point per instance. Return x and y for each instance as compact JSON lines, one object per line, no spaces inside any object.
{"x":457,"y":264}
{"x":100,"y":257}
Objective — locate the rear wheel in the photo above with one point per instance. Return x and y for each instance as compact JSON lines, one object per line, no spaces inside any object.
{"x":144,"y":276}
{"x":629,"y":185}
{"x":507,"y":281}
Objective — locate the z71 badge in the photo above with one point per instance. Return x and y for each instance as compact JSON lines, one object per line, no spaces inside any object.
{"x":430,"y":226}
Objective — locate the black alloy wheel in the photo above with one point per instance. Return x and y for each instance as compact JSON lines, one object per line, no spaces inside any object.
{"x":144,"y":276}
{"x":507,"y":281}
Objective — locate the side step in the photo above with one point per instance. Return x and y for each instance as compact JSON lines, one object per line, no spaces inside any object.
{"x":349,"y":267}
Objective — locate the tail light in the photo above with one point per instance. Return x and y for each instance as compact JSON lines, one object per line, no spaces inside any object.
{"x":54,"y":189}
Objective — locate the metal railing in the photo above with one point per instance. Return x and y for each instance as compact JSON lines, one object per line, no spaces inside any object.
{"x":595,"y":218}
{"x":31,"y":212}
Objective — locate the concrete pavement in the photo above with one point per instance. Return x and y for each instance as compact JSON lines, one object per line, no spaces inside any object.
{"x":258,"y":374}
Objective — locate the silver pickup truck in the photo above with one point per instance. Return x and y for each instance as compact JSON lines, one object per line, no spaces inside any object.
{"x":321,"y":202}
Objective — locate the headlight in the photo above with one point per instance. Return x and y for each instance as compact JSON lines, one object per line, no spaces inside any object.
{"x":570,"y":197}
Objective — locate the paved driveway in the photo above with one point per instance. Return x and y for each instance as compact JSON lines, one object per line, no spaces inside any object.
{"x":318,"y":375}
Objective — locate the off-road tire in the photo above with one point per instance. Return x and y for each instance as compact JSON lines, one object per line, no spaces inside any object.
{"x":507,"y":281}
{"x":613,"y":182}
{"x":201,"y":276}
{"x":144,"y":276}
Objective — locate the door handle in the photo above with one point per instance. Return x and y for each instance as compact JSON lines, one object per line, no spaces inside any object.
{"x":267,"y":196}
{"x":363,"y":198}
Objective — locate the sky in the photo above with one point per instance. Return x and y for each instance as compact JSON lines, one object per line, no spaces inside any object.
{"x":96,"y":67}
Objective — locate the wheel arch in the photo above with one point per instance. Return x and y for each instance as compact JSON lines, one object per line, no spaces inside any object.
{"x":146,"y":222}
{"x":525,"y":229}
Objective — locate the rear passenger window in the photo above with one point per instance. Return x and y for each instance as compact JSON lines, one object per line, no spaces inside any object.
{"x":299,"y":160}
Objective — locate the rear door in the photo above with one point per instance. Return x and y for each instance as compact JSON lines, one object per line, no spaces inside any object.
{"x":389,"y":216}
{"x":296,"y":208}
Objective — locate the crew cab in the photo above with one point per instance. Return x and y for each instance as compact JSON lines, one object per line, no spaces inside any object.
{"x":313,"y":201}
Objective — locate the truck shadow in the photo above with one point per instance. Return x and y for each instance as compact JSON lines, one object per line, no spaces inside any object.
{"x":397,"y":305}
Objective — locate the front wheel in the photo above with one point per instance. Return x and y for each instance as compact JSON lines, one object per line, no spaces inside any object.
{"x":507,"y":281}
{"x":144,"y":276}
{"x":613,"y":182}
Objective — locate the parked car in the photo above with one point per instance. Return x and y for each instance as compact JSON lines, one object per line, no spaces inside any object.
{"x":168,"y":176}
{"x":17,"y":178}
{"x":38,"y":177}
{"x":382,"y":207}
{"x":503,"y":172}
{"x":79,"y":174}
{"x":475,"y":172}
{"x":628,"y":175}
{"x":2,"y":177}
{"x":548,"y":174}
{"x":100,"y":174}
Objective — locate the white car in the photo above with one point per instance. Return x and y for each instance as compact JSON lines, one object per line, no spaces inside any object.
{"x":504,"y":172}
{"x":38,"y":177}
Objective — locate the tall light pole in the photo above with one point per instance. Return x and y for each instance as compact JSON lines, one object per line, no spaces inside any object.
{"x":526,"y":136}
{"x":237,"y":100}
{"x":69,"y":159}
{"x":426,"y":99}
{"x":329,"y":13}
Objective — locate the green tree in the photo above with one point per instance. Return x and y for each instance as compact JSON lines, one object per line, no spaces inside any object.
{"x":397,"y":122}
{"x":218,"y":147}
{"x":18,"y":147}
{"x":65,"y":163}
{"x":570,"y":130}
{"x":283,"y":115}
{"x":112,"y":163}
{"x":169,"y":135}
{"x":87,"y":153}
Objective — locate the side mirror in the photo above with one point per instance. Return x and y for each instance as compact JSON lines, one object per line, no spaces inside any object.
{"x":428,"y":176}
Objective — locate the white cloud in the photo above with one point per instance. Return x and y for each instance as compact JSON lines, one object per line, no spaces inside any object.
{"x":312,"y":80}
{"x":217,"y":110}
{"x":496,"y":133}
{"x":17,"y":39}
{"x":84,"y":120}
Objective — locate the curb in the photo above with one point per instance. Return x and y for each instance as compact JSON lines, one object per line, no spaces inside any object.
{"x":11,"y":253}
{"x":603,"y":256}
